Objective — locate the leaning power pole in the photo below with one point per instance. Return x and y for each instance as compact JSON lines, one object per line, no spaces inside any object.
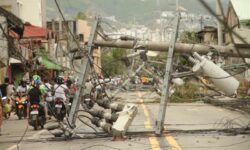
{"x":84,"y":72}
{"x":167,"y":79}
{"x":219,"y":25}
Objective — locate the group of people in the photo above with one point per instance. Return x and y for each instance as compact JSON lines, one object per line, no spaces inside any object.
{"x":39,"y":91}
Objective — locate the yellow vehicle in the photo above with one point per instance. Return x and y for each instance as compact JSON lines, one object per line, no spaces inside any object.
{"x":144,"y":80}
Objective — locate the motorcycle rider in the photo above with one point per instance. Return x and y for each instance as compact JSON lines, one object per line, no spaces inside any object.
{"x":22,"y":90}
{"x":49,"y":89}
{"x":36,"y":93}
{"x":71,"y":90}
{"x":60,"y":89}
{"x":61,"y":101}
{"x":49,"y":98}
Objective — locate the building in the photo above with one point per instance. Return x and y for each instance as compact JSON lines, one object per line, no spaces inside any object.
{"x":208,"y":35}
{"x":6,"y":45}
{"x":81,"y":30}
{"x":238,"y":12}
{"x":32,"y":11}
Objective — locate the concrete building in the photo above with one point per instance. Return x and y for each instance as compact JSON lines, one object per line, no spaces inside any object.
{"x":7,"y":45}
{"x":238,"y":12}
{"x":81,"y":29}
{"x":32,"y":11}
{"x":208,"y":35}
{"x":4,"y":52}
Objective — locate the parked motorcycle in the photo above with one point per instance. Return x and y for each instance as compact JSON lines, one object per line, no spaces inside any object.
{"x":60,"y":109}
{"x":21,"y":106}
{"x":6,"y":107}
{"x":37,"y":116}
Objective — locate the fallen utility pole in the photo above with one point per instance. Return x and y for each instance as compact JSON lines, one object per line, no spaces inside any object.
{"x":229,"y":50}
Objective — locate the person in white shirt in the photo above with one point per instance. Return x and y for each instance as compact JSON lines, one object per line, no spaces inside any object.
{"x":22,"y":89}
{"x":60,"y":89}
{"x":48,"y":86}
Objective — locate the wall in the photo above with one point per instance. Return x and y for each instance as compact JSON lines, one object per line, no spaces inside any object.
{"x":232,"y":21}
{"x":30,"y":11}
{"x":10,"y":5}
{"x":83,"y":28}
{"x":33,"y":11}
{"x":4,"y":51}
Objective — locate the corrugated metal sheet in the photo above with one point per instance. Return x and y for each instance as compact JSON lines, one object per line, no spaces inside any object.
{"x":31,"y":31}
{"x":242,"y":8}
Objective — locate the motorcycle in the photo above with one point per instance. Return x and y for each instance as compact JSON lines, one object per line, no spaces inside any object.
{"x":37,"y":116}
{"x":6,"y":107}
{"x":50,"y":104}
{"x":60,"y":109}
{"x":21,"y":106}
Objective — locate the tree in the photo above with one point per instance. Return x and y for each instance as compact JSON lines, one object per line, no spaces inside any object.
{"x":248,"y":23}
{"x":81,"y":15}
{"x":189,"y":37}
{"x":111,"y":62}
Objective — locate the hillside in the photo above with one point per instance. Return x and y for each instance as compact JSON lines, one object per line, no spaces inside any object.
{"x":125,"y":10}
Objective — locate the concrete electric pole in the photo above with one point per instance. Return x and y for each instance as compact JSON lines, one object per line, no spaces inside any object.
{"x":219,"y":25}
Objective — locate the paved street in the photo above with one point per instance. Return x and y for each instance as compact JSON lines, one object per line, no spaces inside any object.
{"x":186,"y":123}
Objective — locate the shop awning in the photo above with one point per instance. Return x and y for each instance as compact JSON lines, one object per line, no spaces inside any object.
{"x":49,"y":64}
{"x":14,"y":61}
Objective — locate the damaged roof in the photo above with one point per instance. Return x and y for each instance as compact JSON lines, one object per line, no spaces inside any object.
{"x":31,"y":31}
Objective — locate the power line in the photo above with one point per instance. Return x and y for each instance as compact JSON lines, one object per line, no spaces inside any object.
{"x":67,"y":27}
{"x":24,"y":133}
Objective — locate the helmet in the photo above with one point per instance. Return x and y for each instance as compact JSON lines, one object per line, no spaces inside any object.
{"x":36,"y":77}
{"x":23,"y":83}
{"x":69,"y":82}
{"x":59,"y":80}
{"x":36,"y":80}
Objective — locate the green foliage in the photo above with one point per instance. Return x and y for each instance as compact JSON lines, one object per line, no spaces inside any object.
{"x":189,"y":37}
{"x":81,"y":15}
{"x":162,"y":57}
{"x":43,"y":52}
{"x":189,"y":92}
{"x":246,"y":23}
{"x":111,"y":61}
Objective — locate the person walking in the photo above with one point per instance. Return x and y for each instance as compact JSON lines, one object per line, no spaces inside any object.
{"x":1,"y":113}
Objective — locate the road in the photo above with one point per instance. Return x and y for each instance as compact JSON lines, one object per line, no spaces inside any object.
{"x":191,"y":126}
